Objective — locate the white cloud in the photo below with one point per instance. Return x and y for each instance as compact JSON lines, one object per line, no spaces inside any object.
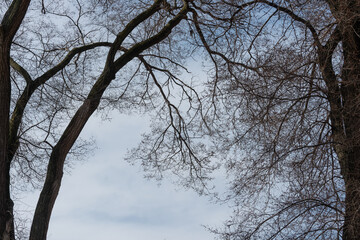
{"x":106,"y":198}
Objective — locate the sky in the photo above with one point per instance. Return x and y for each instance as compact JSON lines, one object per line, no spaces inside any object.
{"x":104,"y":197}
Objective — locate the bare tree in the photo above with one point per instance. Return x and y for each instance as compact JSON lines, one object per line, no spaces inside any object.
{"x":290,"y":96}
{"x":58,"y":77}
{"x":282,"y":111}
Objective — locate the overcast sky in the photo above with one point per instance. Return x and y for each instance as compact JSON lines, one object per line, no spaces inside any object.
{"x":106,"y":198}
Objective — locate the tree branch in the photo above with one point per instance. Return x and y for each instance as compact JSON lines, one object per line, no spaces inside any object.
{"x":13,"y":18}
{"x":56,"y":163}
{"x":31,"y":86}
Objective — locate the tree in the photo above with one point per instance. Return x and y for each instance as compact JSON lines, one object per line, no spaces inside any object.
{"x":55,"y":83}
{"x":291,"y":98}
{"x":282,"y":112}
{"x":279,"y":110}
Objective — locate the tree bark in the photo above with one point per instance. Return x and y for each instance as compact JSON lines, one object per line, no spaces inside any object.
{"x":8,"y":28}
{"x":351,"y":99}
{"x":52,"y":183}
{"x":6,"y":218}
{"x":346,"y":127}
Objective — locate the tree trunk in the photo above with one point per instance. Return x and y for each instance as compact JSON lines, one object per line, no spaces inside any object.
{"x":54,"y":175}
{"x":6,"y":212}
{"x":352,"y":212}
{"x":349,"y":22}
{"x":8,"y":28}
{"x":55,"y":168}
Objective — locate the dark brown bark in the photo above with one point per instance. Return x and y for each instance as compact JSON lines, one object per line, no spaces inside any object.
{"x":346,"y":113}
{"x":351,"y":99}
{"x":8,"y":28}
{"x":5,"y":206}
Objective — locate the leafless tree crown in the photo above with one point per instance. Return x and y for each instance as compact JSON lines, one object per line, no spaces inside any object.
{"x":277,"y":106}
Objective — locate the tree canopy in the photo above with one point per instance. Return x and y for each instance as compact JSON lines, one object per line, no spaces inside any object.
{"x":278,"y":110}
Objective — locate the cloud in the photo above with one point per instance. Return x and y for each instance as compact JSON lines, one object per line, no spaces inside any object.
{"x":106,"y":198}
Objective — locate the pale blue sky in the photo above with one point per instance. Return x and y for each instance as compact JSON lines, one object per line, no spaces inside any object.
{"x":106,"y":198}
